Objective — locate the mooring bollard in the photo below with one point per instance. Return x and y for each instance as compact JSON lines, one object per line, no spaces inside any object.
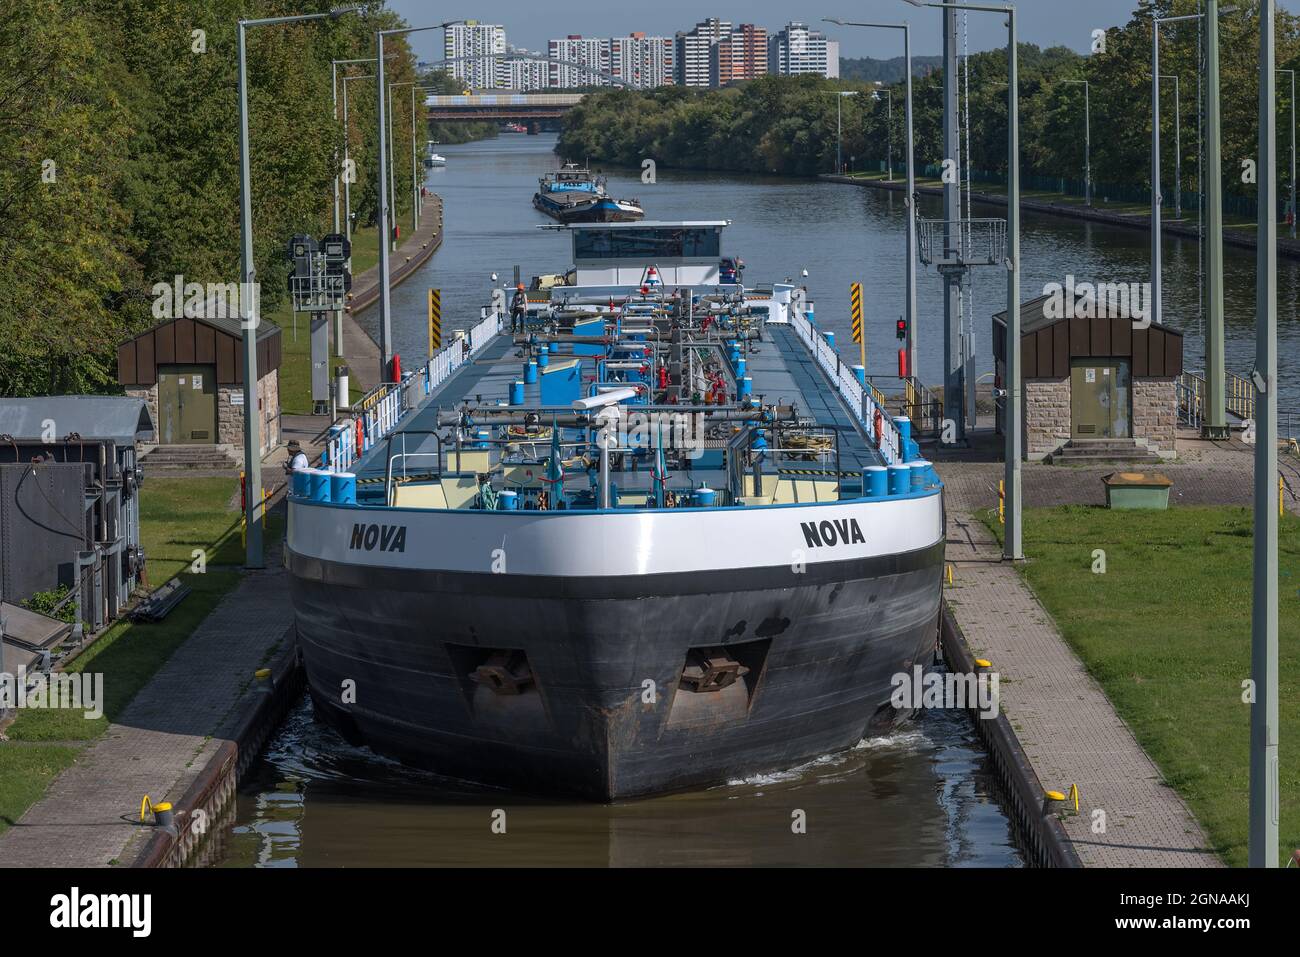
{"x":163,"y":815}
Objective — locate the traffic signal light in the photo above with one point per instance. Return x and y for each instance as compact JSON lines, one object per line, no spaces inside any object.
{"x":901,"y":327}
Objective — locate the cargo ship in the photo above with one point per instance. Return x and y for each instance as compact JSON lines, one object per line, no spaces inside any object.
{"x":573,"y":195}
{"x":660,"y":539}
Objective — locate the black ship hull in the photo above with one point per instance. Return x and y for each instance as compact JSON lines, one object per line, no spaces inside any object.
{"x":592,"y":687}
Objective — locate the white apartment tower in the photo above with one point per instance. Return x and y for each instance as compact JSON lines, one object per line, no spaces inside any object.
{"x":797,"y":50}
{"x":590,"y":52}
{"x":642,"y":62}
{"x":485,"y":45}
{"x":694,"y":48}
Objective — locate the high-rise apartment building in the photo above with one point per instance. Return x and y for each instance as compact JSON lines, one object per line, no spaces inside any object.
{"x":589,"y":52}
{"x":797,"y":50}
{"x":523,"y":73}
{"x":476,"y":51}
{"x":694,"y":49}
{"x":740,"y":56}
{"x":642,"y":62}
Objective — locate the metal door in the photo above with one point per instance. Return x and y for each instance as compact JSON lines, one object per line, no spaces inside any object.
{"x":187,"y":404}
{"x":1099,"y":399}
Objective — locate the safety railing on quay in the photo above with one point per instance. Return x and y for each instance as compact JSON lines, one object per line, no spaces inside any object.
{"x":871,"y":414}
{"x":378,"y":412}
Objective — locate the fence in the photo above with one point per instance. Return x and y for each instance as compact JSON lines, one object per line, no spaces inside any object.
{"x":860,"y":400}
{"x":378,"y":412}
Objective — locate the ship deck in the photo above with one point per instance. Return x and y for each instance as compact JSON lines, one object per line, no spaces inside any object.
{"x":782,"y":370}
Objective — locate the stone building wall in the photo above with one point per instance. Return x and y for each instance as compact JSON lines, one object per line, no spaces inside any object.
{"x":1046,"y":416}
{"x":1155,"y":412}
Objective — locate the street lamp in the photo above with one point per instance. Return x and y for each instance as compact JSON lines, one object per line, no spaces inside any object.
{"x":392,"y":170}
{"x":910,"y":201}
{"x":347,"y":138}
{"x":1178,"y":146}
{"x":249,"y":314}
{"x":889,"y":130}
{"x":1157,"y":293}
{"x":385,"y":289}
{"x":1087,"y":143}
{"x":839,"y":128}
{"x":1012,"y":546}
{"x":1293,"y":210}
{"x":1264,"y":790}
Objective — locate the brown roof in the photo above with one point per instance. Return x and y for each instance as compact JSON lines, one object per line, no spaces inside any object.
{"x":196,"y":341}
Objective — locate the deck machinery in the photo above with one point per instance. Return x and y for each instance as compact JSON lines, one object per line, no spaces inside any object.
{"x":659,"y":539}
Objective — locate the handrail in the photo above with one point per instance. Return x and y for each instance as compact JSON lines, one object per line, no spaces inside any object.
{"x":863,"y":405}
{"x":380,"y":409}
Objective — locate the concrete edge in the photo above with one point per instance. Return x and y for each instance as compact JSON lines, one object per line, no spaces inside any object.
{"x":213,"y":790}
{"x":1042,"y":835}
{"x":1286,"y":248}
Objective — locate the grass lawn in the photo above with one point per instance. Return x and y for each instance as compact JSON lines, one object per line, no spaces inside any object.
{"x":178,"y":515}
{"x":295,"y":363}
{"x":1166,"y":632}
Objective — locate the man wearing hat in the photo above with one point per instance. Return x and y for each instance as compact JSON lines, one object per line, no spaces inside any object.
{"x":518,"y":310}
{"x":297,"y":458}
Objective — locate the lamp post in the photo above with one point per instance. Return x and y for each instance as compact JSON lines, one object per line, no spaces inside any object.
{"x":249,"y":310}
{"x":385,"y":289}
{"x":909,"y":202}
{"x":347,"y":183}
{"x":392,"y":167}
{"x":839,"y":128}
{"x":1264,"y":791}
{"x":1178,"y":146}
{"x":889,"y":131}
{"x":1157,"y":292}
{"x":334,"y":84}
{"x":1087,"y":143}
{"x":1012,"y":544}
{"x":1292,"y":202}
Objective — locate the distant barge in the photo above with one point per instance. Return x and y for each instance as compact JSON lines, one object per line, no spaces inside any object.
{"x":574,"y":195}
{"x":660,"y":540}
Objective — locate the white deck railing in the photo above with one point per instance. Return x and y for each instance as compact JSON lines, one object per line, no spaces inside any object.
{"x":858,"y":399}
{"x":379,"y":411}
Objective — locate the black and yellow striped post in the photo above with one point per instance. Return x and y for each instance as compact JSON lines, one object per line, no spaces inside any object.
{"x":435,"y":321}
{"x":855,"y":306}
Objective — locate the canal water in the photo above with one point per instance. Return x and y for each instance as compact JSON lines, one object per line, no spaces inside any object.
{"x":838,"y":233}
{"x":921,"y":797}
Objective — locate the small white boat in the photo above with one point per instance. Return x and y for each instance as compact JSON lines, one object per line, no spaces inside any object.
{"x":432,"y":159}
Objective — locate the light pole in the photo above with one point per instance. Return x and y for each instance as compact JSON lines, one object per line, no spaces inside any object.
{"x":392,"y":167}
{"x":909,"y":202}
{"x":839,"y":128}
{"x":1264,"y":790}
{"x":1157,"y":292}
{"x":889,"y":131}
{"x":1178,"y":146}
{"x":249,"y":310}
{"x":347,"y":139}
{"x":334,"y":82}
{"x":1012,"y":544}
{"x":1292,"y":205}
{"x":1087,"y":143}
{"x":385,"y":289}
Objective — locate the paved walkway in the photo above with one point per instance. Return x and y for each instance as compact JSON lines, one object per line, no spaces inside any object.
{"x":1067,"y":726}
{"x":161,"y":742}
{"x":359,"y":349}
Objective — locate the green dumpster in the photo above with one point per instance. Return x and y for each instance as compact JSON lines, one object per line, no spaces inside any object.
{"x":1137,"y":490}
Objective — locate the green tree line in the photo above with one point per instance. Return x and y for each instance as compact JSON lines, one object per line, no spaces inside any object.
{"x":787,"y":125}
{"x":120,"y":162}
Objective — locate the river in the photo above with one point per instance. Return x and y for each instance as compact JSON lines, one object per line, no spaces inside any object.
{"x":923,"y":796}
{"x":839,"y":233}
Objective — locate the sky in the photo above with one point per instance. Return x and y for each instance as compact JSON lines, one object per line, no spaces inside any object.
{"x":530,"y":24}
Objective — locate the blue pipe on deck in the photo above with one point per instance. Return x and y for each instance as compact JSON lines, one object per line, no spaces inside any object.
{"x":343,"y":488}
{"x":517,"y":393}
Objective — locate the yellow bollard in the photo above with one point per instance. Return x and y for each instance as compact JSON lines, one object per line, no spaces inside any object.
{"x":1002,"y":501}
{"x":1074,"y":796}
{"x":948,"y":575}
{"x":983,"y":663}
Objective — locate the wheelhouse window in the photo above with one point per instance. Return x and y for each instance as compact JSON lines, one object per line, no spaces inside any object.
{"x":677,"y":243}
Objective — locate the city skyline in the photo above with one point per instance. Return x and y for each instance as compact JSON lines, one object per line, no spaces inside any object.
{"x":531,"y":27}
